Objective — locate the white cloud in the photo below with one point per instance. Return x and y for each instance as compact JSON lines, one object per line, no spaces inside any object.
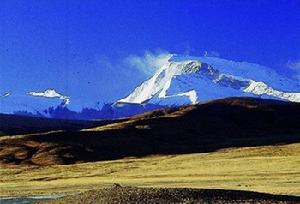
{"x":211,"y":54}
{"x":295,"y":66}
{"x":149,"y":62}
{"x":6,"y":94}
{"x":51,"y":93}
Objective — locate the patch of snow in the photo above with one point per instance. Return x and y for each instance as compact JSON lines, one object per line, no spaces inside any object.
{"x":191,"y":94}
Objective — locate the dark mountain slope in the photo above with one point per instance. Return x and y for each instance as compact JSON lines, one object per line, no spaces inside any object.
{"x":232,"y":122}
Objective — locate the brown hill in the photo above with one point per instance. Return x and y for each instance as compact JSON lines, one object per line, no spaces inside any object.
{"x":232,"y":122}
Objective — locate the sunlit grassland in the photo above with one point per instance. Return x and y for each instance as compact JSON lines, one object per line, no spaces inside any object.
{"x":270,"y":169}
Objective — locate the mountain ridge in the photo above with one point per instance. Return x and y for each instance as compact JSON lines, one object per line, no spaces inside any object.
{"x":190,"y":80}
{"x":207,"y":127}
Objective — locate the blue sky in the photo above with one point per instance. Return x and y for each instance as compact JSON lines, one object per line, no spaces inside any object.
{"x":80,"y":47}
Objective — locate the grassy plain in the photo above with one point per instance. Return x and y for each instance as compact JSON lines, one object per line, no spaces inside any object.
{"x":269,"y":169}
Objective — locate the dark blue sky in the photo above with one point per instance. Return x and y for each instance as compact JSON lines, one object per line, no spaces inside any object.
{"x":62,"y":44}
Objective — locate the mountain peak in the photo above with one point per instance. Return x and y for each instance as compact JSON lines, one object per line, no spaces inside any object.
{"x":188,"y":80}
{"x":160,"y":82}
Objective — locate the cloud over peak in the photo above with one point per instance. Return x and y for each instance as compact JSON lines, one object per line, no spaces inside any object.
{"x":149,"y":62}
{"x":295,"y":66}
{"x":51,"y":93}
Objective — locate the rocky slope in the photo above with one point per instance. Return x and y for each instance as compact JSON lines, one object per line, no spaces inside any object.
{"x":119,"y":194}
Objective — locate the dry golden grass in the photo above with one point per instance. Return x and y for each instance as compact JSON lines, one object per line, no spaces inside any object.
{"x":270,"y":169}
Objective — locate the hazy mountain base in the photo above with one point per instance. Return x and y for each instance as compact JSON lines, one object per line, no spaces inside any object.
{"x":107,"y":112}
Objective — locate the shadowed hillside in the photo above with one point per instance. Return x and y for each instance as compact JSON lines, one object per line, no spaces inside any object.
{"x":232,"y":122}
{"x":17,"y":124}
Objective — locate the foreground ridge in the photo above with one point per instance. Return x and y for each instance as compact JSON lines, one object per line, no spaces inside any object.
{"x":119,"y":194}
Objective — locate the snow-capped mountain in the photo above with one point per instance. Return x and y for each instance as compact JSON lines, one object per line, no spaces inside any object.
{"x":189,"y":80}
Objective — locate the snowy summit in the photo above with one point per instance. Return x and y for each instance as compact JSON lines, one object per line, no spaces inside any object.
{"x":189,"y":80}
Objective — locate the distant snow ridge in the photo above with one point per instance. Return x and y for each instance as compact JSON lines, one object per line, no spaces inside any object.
{"x":261,"y":88}
{"x":188,"y":80}
{"x":51,"y":93}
